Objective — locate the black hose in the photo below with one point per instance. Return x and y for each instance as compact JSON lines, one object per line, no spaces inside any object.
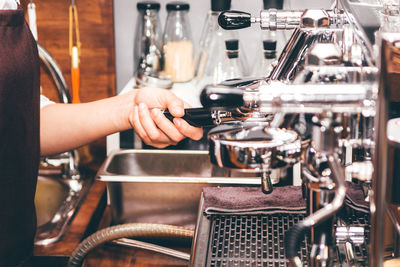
{"x":126,"y":230}
{"x":293,"y":238}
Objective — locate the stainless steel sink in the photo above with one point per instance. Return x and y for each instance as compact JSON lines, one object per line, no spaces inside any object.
{"x":162,"y":186}
{"x":57,"y":200}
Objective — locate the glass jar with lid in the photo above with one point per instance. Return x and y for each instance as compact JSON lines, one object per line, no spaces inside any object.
{"x":148,"y":38}
{"x":211,"y":54}
{"x":178,"y":43}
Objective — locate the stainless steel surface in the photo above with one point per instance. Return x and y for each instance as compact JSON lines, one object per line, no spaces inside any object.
{"x":273,"y":19}
{"x":162,"y":186}
{"x":314,"y":18}
{"x":353,"y":234}
{"x":337,"y":202}
{"x":321,"y":254}
{"x":342,"y":99}
{"x":57,"y":200}
{"x":321,"y":54}
{"x":337,"y":74}
{"x":330,"y":209}
{"x":255,"y":149}
{"x":362,"y":171}
{"x":312,"y":98}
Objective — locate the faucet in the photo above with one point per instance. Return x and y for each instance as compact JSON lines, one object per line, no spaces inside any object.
{"x":68,"y":160}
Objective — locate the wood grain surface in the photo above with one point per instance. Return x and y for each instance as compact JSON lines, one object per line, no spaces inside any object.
{"x":97,"y":61}
{"x":84,"y":223}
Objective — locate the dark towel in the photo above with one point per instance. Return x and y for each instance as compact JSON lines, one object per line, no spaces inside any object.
{"x":250,"y":200}
{"x":287,"y":199}
{"x":355,"y":198}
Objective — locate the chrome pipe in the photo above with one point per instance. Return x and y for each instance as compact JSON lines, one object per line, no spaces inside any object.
{"x":312,"y":98}
{"x":330,"y":209}
{"x":56,"y":74}
{"x":340,"y":193}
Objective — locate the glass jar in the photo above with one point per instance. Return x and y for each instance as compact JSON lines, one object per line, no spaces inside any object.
{"x":147,"y":54}
{"x":232,"y":67}
{"x":211,"y":54}
{"x":178,"y":43}
{"x":265,"y":61}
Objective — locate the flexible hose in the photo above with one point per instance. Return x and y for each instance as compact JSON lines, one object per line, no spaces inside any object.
{"x":126,"y":230}
{"x":293,"y":239}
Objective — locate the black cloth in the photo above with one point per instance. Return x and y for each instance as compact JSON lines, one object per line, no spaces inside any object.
{"x":355,"y":198}
{"x":19,"y":137}
{"x":251,"y":200}
{"x":286,"y":199}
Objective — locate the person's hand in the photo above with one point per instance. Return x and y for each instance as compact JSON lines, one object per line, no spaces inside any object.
{"x":150,"y":123}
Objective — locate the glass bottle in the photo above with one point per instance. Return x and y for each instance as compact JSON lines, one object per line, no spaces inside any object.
{"x":210,"y":56}
{"x":147,"y":57}
{"x":232,"y":68}
{"x":265,"y":62}
{"x":178,"y":43}
{"x":280,"y":36}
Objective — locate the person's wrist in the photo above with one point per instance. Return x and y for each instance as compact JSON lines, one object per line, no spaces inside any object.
{"x":130,"y":108}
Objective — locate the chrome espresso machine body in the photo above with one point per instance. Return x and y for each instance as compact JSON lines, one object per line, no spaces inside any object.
{"x":324,"y":106}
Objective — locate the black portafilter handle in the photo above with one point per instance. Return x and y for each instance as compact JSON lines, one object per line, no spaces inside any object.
{"x":197,"y":117}
{"x":212,"y":98}
{"x":221,"y":97}
{"x":234,"y":20}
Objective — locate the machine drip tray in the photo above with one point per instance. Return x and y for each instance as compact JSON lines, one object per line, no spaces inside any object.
{"x":251,"y":240}
{"x":258,"y":240}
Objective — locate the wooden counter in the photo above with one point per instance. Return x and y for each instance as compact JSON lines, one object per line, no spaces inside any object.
{"x":83,"y":224}
{"x":94,"y":214}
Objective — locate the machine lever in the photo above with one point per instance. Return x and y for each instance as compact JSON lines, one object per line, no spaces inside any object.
{"x":234,"y":20}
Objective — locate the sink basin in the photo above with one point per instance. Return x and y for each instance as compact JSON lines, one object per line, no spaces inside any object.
{"x":162,"y":186}
{"x":57,"y":200}
{"x":50,"y":195}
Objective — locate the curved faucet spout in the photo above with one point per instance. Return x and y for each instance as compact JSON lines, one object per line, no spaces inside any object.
{"x":56,"y":74}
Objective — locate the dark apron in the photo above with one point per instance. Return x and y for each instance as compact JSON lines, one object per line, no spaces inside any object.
{"x":19,"y":137}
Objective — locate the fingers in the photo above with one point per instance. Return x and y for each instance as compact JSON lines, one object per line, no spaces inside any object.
{"x":152,"y":131}
{"x":145,"y":128}
{"x":174,"y":104}
{"x":153,"y":127}
{"x":188,"y":130}
{"x":166,"y":126}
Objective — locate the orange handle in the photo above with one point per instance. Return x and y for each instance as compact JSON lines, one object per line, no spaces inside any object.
{"x":75,"y":73}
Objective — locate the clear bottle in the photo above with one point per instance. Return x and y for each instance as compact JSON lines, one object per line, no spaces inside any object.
{"x":210,"y":56}
{"x":232,"y":68}
{"x":280,"y":36}
{"x":147,"y":56}
{"x":178,"y":43}
{"x":265,"y":62}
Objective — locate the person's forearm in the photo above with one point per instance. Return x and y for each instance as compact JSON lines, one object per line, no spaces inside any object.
{"x":64,"y":127}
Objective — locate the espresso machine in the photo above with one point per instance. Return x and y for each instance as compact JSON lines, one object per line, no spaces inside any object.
{"x":324,"y":106}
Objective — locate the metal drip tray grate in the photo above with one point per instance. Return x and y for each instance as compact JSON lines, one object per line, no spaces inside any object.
{"x":251,"y":240}
{"x":258,"y":240}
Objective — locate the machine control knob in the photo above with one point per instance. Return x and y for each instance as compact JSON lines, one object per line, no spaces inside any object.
{"x":233,"y":20}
